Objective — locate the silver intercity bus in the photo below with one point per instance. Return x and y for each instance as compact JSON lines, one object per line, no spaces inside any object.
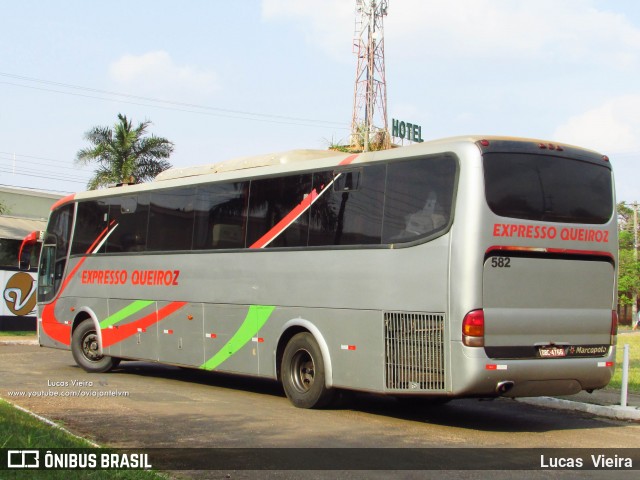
{"x":464,"y":267}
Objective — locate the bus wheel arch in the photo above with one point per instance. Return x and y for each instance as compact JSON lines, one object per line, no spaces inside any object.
{"x":303,"y":366}
{"x":86,"y":344}
{"x":85,"y":314}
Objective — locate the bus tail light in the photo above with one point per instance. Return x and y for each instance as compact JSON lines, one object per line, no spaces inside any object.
{"x":473,"y":329}
{"x":614,"y":327}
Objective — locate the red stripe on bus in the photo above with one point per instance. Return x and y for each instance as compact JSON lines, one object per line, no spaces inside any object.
{"x":283,"y":224}
{"x":62,"y":201}
{"x":279,"y":227}
{"x":61,"y":332}
{"x":77,"y":267}
{"x":348,"y":160}
{"x":110,"y":337}
{"x":50,"y":324}
{"x":69,"y":277}
{"x":100,"y":237}
{"x":52,"y":328}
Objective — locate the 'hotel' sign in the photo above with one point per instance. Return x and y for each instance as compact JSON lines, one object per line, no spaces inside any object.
{"x":406,"y":130}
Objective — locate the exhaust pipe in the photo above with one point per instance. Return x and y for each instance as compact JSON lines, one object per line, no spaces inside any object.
{"x":504,"y":387}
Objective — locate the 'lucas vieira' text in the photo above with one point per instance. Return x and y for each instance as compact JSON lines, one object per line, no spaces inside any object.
{"x":598,"y":461}
{"x":72,"y":383}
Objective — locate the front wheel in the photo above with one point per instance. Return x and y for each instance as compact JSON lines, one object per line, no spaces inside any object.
{"x":86,"y":351}
{"x":303,"y":374}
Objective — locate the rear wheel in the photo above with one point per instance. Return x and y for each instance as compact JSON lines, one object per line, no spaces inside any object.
{"x":86,"y":349}
{"x":303,"y":373}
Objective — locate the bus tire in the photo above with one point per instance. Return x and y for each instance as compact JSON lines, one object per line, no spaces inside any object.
{"x":303,"y":373}
{"x":85,"y":351}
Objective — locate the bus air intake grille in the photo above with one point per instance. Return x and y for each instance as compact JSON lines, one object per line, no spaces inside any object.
{"x":414,"y":351}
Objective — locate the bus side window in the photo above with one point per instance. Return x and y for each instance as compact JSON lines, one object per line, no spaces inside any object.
{"x":419,"y":196}
{"x":220,"y":217}
{"x":171,"y":217}
{"x":55,"y":250}
{"x":270,"y":201}
{"x":128,"y":217}
{"x":346,"y":181}
{"x":91,"y":220}
{"x":46,"y":280}
{"x":350,"y":213}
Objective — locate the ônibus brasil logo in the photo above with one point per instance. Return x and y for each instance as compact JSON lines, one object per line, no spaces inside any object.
{"x":78,"y":459}
{"x":20,"y":294}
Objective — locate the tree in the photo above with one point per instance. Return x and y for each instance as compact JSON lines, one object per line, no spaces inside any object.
{"x":124,"y":154}
{"x":628,"y":264}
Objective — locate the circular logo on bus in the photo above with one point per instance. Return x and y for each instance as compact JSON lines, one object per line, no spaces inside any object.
{"x":20,"y":294}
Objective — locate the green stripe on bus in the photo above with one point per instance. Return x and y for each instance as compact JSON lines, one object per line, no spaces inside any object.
{"x":253,"y":322}
{"x":125,"y":312}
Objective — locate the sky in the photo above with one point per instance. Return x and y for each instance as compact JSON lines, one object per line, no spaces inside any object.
{"x":224,"y":79}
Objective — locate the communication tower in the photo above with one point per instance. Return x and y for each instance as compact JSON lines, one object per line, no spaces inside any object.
{"x":369,"y":121}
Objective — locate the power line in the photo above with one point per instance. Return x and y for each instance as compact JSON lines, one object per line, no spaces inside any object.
{"x":40,"y":174}
{"x":20,"y":161}
{"x":35,"y":189}
{"x":31,"y":156}
{"x":171,"y":104}
{"x":15,"y":163}
{"x":57,"y":170}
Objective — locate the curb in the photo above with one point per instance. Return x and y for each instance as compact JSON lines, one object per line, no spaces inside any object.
{"x":613,"y":411}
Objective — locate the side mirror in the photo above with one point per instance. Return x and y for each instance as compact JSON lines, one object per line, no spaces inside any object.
{"x":24,"y":257}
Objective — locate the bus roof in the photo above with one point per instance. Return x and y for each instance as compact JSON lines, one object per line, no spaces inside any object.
{"x":280,"y":158}
{"x":300,"y":160}
{"x":296,"y":156}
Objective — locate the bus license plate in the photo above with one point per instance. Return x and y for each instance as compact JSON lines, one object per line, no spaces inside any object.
{"x":552,"y":352}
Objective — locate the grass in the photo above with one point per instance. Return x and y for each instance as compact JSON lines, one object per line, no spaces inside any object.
{"x":19,"y":430}
{"x":634,"y":362}
{"x":18,"y":334}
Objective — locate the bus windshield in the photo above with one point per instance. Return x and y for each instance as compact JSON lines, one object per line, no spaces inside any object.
{"x":548,"y":188}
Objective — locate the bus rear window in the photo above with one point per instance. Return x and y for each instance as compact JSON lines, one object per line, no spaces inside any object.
{"x":547,"y":188}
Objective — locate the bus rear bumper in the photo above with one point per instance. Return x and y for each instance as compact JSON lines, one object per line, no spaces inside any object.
{"x":478,"y":375}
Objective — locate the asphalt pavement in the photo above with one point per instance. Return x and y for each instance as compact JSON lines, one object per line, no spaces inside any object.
{"x":607,"y":402}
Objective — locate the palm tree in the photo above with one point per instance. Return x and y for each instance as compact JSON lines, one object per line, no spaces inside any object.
{"x":123,"y":154}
